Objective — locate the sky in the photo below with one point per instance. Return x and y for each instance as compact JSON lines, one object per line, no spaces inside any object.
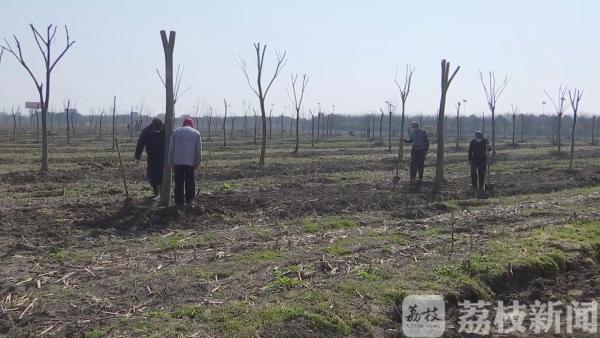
{"x":351,"y":50}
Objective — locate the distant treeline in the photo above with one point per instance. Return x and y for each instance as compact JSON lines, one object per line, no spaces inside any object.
{"x":527,"y":126}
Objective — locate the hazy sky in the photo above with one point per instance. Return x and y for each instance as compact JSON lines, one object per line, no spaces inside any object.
{"x":350,"y":48}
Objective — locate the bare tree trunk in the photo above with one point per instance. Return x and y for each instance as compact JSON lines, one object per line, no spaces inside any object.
{"x":168,"y":47}
{"x":68,"y":125}
{"x":390,"y":131}
{"x":232,"y":127}
{"x":263,"y":145}
{"x":558,"y":130}
{"x":493,"y":132}
{"x":439,"y":168}
{"x":281,"y":130}
{"x":373,"y":123}
{"x":255,"y":127}
{"x":224,"y":120}
{"x":514,"y":127}
{"x":297,"y":131}
{"x":14,"y":116}
{"x":573,"y":140}
{"x":318,"y":125}
{"x":100,"y":124}
{"x":114,"y":121}
{"x":270,"y":126}
{"x":401,"y":145}
{"x":312,"y":131}
{"x":574,"y":98}
{"x":523,"y":128}
{"x":131,"y":125}
{"x":209,"y":123}
{"x":381,"y":128}
{"x":593,"y":128}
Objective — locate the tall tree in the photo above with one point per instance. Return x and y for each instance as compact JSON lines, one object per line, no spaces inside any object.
{"x":261,"y":92}
{"x":574,"y":97}
{"x":44,"y":44}
{"x":445,"y":84}
{"x":297,"y":101}
{"x":560,"y":108}
{"x":168,"y":48}
{"x":404,"y":89}
{"x":492,"y":93}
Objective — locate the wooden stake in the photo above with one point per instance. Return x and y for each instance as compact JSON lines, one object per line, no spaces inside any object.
{"x":122,"y":170}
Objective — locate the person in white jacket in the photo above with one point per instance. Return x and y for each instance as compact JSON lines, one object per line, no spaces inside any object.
{"x":185,"y":155}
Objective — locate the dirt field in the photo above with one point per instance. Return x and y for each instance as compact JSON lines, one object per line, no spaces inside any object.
{"x":314,"y":245}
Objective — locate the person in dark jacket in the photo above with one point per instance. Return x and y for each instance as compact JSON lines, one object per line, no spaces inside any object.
{"x":420,"y":147}
{"x":153,"y":139}
{"x":478,"y":160}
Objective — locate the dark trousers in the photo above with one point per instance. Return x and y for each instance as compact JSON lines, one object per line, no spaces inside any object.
{"x":417,"y":163}
{"x":478,"y":173}
{"x":184,"y":177}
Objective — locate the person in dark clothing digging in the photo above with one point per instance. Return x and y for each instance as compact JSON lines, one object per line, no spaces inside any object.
{"x":478,"y":160}
{"x":420,"y":147}
{"x":153,"y":139}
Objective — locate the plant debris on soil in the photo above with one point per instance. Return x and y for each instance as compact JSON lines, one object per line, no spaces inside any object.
{"x":315,"y":245}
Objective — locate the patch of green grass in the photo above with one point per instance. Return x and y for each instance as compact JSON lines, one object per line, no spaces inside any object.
{"x":260,"y":256}
{"x":59,"y":255}
{"x":180,"y":240}
{"x":226,"y":186}
{"x":194,"y":312}
{"x":339,"y":249}
{"x":313,"y":225}
{"x":287,"y":282}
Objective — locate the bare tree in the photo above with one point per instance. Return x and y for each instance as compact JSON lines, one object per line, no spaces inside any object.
{"x":170,"y":93}
{"x":224,"y":121}
{"x":445,"y":84}
{"x":574,"y":97}
{"x":100,"y":123}
{"x":297,"y":101}
{"x":389,"y":108}
{"x":318,"y":121}
{"x":114,"y":121}
{"x":515,"y":112}
{"x":560,"y":108}
{"x":593,"y":128}
{"x":67,"y":113}
{"x":458,"y":125}
{"x":271,"y":122}
{"x":522,"y":128}
{"x":210,"y":115}
{"x":492,"y":93}
{"x":255,"y":125}
{"x":14,"y":116}
{"x":258,"y":90}
{"x":232,"y":127}
{"x":381,"y":127}
{"x":45,"y":46}
{"x":404,"y":89}
{"x":312,"y":128}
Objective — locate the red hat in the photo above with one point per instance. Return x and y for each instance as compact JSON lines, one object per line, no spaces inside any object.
{"x":188,"y":122}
